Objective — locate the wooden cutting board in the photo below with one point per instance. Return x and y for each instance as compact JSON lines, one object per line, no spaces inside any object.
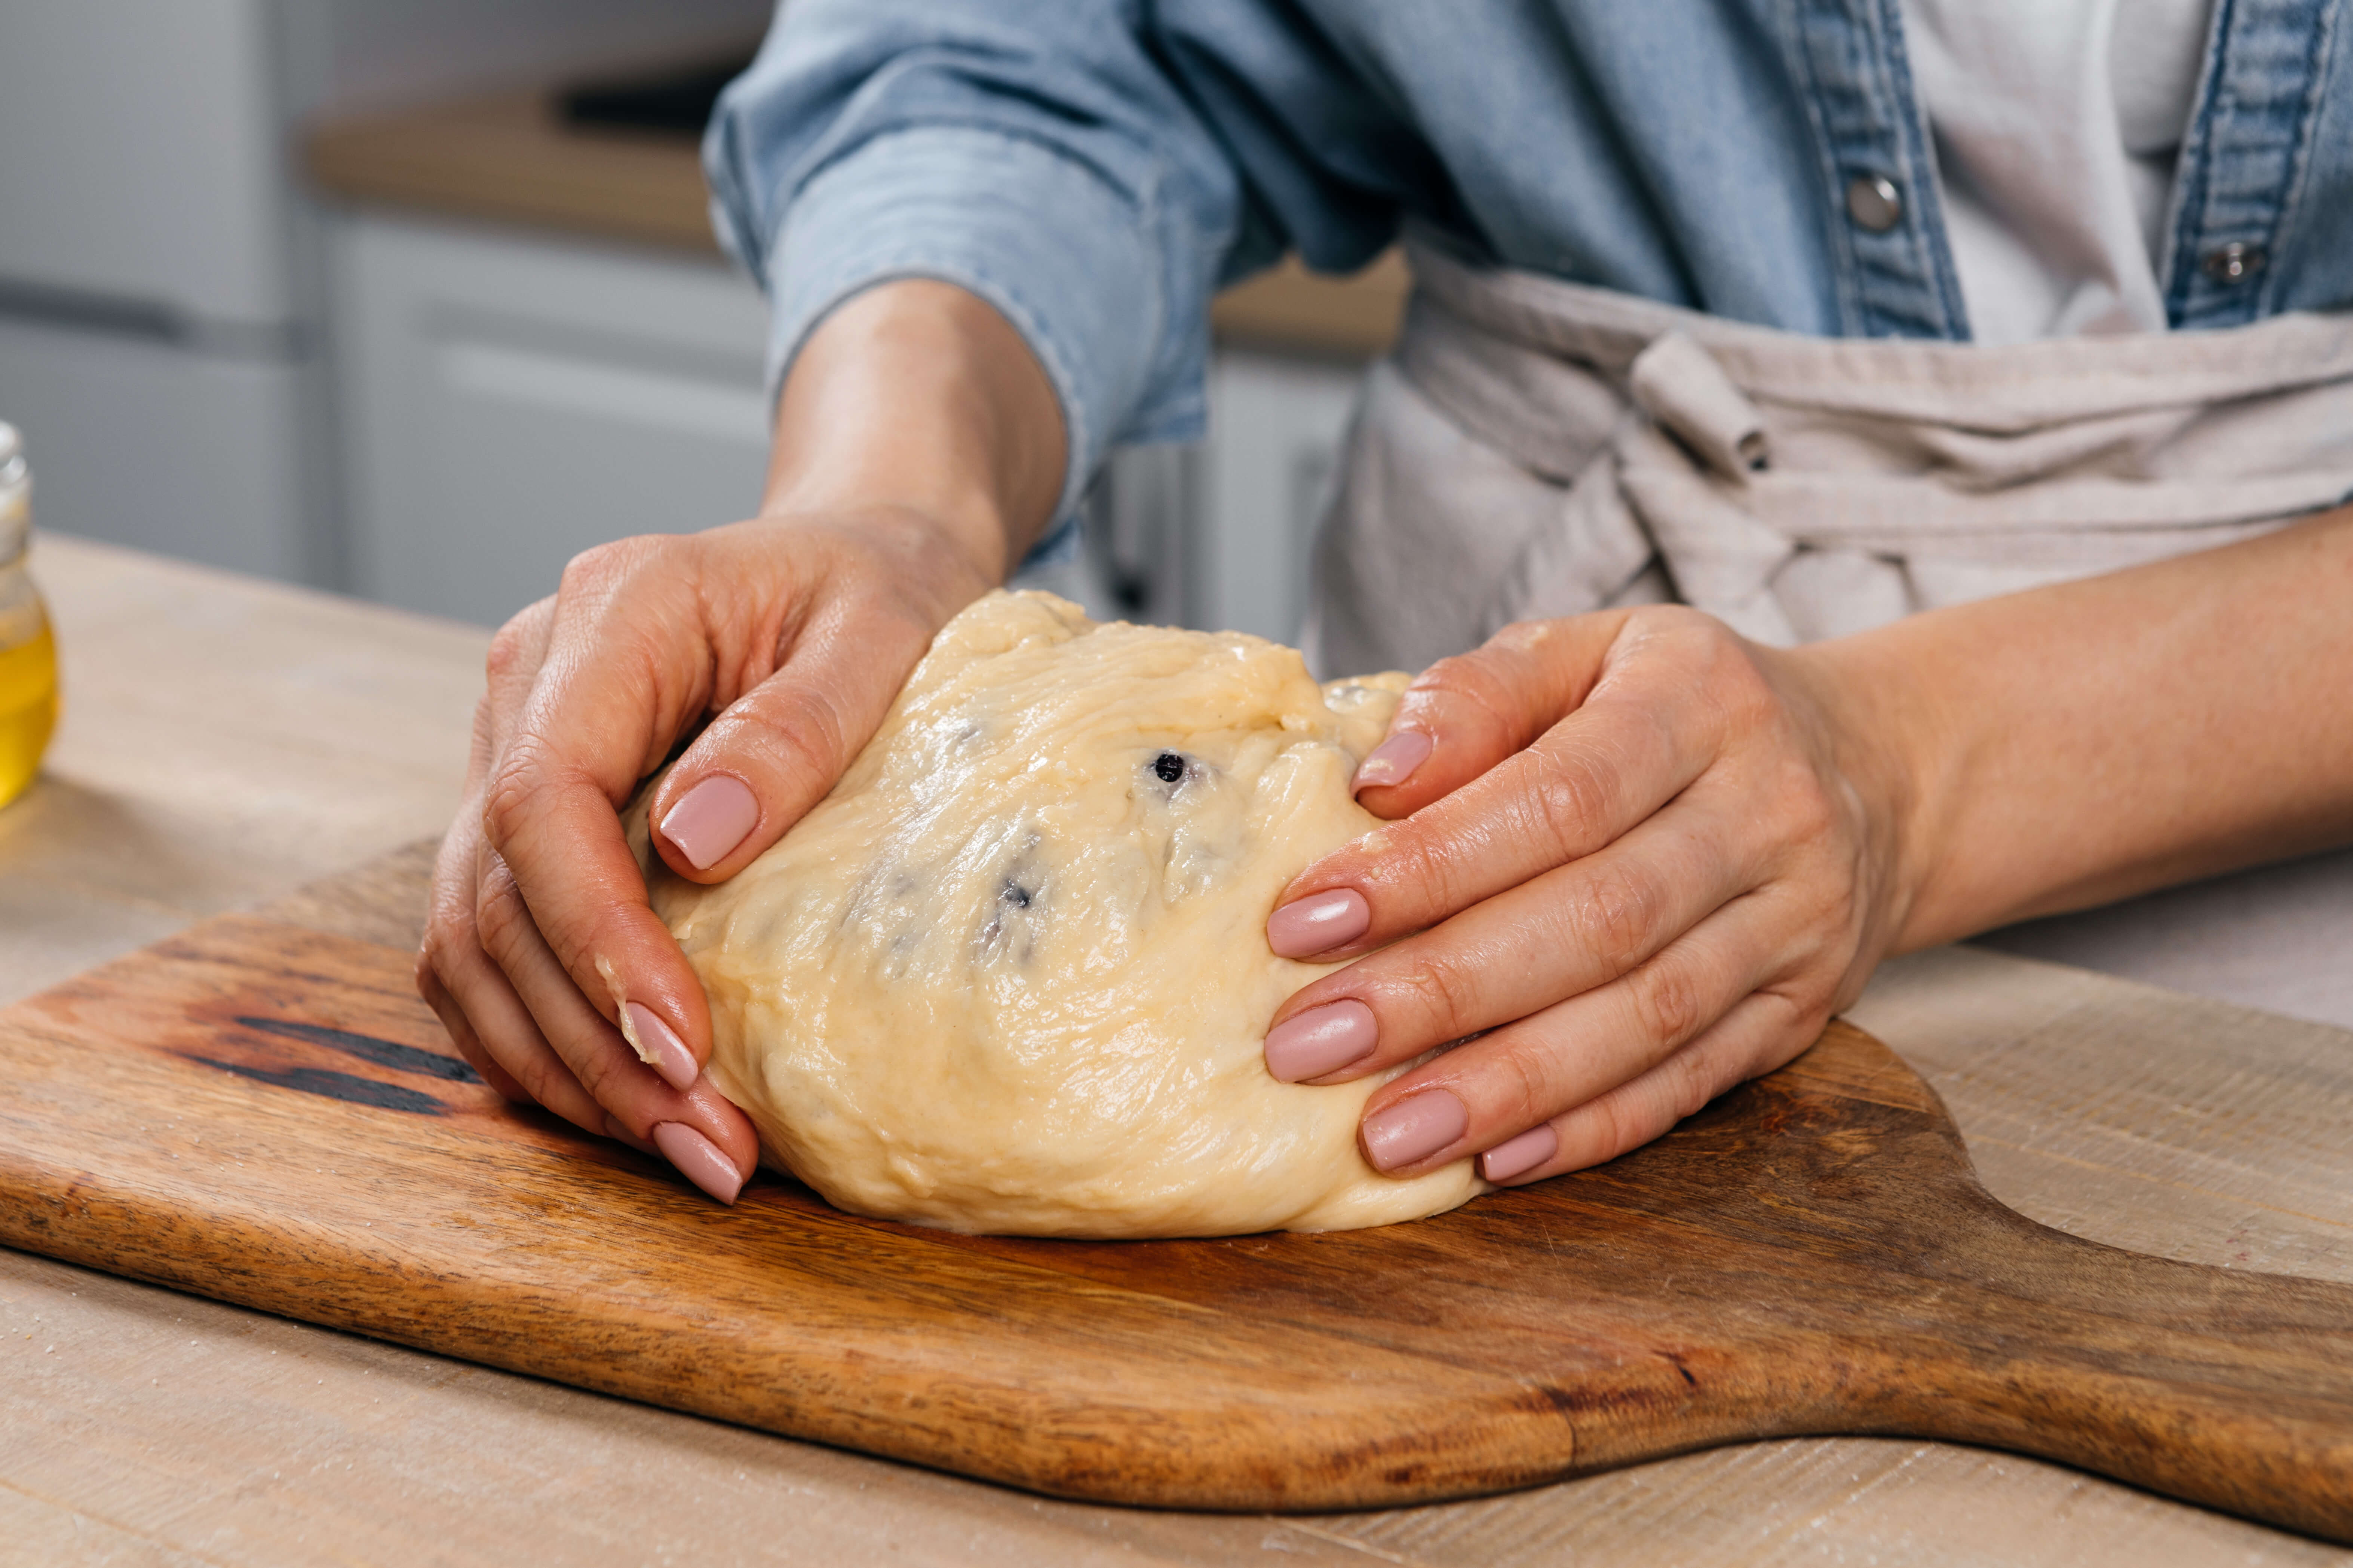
{"x":262,"y":1110}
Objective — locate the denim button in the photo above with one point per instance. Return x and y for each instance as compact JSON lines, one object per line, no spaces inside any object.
{"x":2233,"y":263}
{"x":1874,"y":202}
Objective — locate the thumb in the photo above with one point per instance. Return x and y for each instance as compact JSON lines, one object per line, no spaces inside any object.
{"x":1463,"y":715}
{"x":776,"y":750}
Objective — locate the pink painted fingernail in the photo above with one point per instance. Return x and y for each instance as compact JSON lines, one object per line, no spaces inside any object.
{"x":1414,"y":1129}
{"x":614,"y":1130}
{"x":662,"y":1048}
{"x":699,"y":1159}
{"x":1318,"y":924}
{"x":1518,"y":1156}
{"x":1393,"y":761}
{"x":1321,"y":1040}
{"x":712,"y":819}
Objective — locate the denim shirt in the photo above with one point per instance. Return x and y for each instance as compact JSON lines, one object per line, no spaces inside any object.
{"x":1096,"y":169}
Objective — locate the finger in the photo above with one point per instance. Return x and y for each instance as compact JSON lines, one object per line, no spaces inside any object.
{"x":462,"y":1034}
{"x":1762,"y":1031}
{"x":1648,"y":724}
{"x":1564,"y":932}
{"x":711,"y":1141}
{"x":451,"y":965}
{"x":518,"y":653}
{"x":474,"y":1001}
{"x":551,"y":1083}
{"x":1463,"y":715}
{"x":518,"y":656}
{"x":1541,"y":1066}
{"x":628,"y":657}
{"x":775,"y":752}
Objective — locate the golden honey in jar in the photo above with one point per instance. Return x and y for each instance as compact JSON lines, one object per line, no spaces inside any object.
{"x":28,"y":653}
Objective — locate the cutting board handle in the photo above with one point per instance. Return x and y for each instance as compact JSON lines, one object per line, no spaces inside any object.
{"x":2226,"y":1387}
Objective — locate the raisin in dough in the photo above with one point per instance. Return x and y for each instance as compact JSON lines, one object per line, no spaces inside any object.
{"x":1011,"y":975}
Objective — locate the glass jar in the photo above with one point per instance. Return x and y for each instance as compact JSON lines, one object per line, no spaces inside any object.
{"x":28,"y":653}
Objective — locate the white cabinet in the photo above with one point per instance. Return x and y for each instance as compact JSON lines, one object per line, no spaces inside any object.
{"x":153,"y":341}
{"x":1220,"y":536}
{"x":160,"y":292}
{"x":1276,"y":425}
{"x":134,"y":438}
{"x":142,"y":161}
{"x":509,"y":401}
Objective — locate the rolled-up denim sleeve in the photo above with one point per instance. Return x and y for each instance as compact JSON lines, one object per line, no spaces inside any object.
{"x":1033,"y":153}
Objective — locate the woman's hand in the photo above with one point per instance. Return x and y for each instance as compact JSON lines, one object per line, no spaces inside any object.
{"x":919,"y":447}
{"x":1644,"y":862}
{"x":1646,"y":859}
{"x":541,"y":955}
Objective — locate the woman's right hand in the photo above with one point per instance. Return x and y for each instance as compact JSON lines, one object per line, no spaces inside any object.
{"x":918,"y":448}
{"x":541,"y":954}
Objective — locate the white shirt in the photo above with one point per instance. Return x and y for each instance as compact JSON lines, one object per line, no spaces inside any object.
{"x":2057,"y":124}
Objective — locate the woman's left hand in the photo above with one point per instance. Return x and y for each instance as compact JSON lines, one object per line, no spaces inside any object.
{"x":1643,"y":861}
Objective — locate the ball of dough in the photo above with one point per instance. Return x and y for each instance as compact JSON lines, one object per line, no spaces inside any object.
{"x":1011,"y":975}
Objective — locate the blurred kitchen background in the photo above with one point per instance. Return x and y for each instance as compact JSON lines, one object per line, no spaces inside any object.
{"x":417,"y":299}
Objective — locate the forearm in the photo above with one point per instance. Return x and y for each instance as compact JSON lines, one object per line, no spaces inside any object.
{"x":917,"y":396}
{"x":2071,"y":745}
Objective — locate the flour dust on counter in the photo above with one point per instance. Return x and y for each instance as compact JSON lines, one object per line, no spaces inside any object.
{"x":1011,"y":976}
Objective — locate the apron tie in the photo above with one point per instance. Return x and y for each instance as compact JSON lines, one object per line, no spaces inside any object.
{"x":1537,"y":448}
{"x":1714,"y":551}
{"x":1676,"y":382}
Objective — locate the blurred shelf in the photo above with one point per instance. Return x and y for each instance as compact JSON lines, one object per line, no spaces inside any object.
{"x":511,"y":158}
{"x":1293,"y":308}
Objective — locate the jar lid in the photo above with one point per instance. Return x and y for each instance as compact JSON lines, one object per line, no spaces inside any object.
{"x":15,"y":515}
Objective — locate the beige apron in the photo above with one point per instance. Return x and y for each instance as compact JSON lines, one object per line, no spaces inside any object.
{"x":1534,"y":448}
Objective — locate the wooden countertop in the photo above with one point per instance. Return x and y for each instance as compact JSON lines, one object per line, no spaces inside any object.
{"x":226,"y":740}
{"x":507,"y":158}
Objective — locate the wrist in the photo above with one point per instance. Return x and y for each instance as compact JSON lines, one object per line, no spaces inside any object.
{"x":917,"y":397}
{"x":1894,"y":752}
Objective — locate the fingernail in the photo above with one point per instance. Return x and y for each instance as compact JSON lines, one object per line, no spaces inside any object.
{"x":660,"y":1048}
{"x":1518,"y":1156}
{"x":1393,"y":761}
{"x":1318,"y":924}
{"x":712,"y":819}
{"x":699,"y":1159}
{"x":1321,"y":1040}
{"x":1414,"y":1129}
{"x":622,"y":1134}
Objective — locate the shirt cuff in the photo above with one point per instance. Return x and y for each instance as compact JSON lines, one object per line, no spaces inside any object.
{"x":1063,"y":255}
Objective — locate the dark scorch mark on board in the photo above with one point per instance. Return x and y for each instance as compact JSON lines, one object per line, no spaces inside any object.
{"x":368,"y":1049}
{"x":347,"y":1087}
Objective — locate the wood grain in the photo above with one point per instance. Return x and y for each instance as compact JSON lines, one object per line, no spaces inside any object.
{"x":285,"y":1128}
